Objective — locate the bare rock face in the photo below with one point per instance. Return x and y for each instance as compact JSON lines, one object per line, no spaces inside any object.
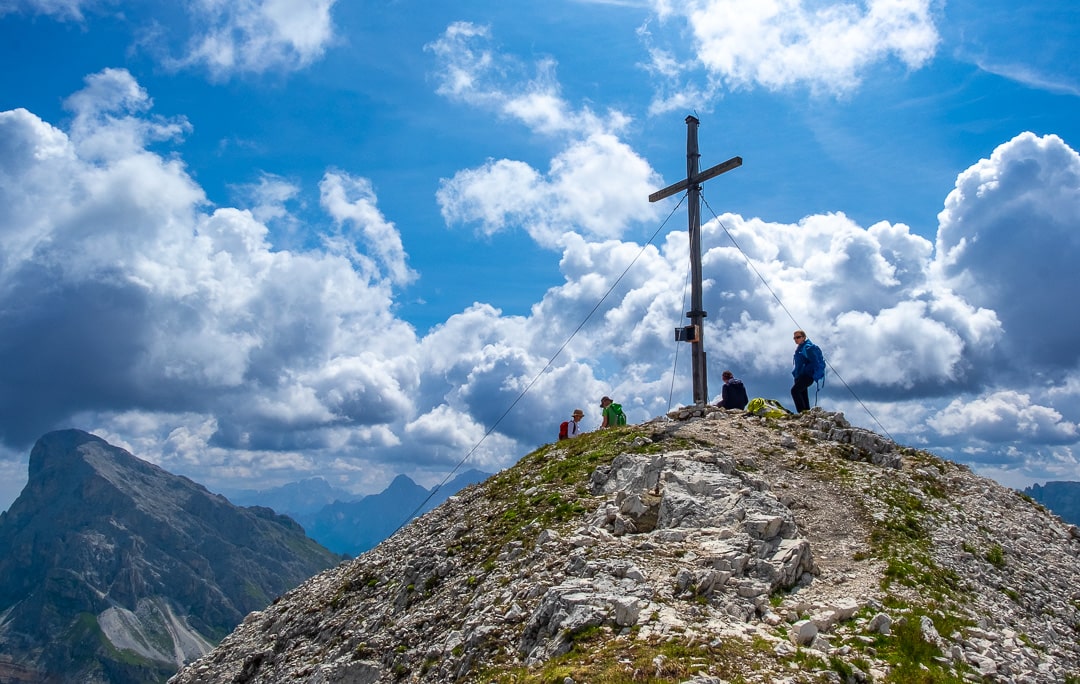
{"x":714,"y":547}
{"x":114,"y":570}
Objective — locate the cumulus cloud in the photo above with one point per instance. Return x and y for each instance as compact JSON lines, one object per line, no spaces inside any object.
{"x":132,"y":307}
{"x":123,"y":291}
{"x":587,"y":185}
{"x":826,"y":46}
{"x":586,"y":189}
{"x":1008,"y":239}
{"x":895,"y":330}
{"x":895,"y":327}
{"x":351,"y":201}
{"x":445,"y":437}
{"x":908,"y":324}
{"x":1004,"y":416}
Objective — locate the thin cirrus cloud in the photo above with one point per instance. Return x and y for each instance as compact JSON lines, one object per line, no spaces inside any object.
{"x":225,"y":37}
{"x":238,"y":36}
{"x":59,"y":9}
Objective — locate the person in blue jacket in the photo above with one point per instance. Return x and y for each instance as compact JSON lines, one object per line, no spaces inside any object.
{"x":804,"y":365}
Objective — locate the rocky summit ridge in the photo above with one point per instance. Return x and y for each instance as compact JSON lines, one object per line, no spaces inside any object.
{"x":718,"y":546}
{"x":116,"y":571}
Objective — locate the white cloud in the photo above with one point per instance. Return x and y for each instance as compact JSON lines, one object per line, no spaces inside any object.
{"x":445,"y":436}
{"x":1008,"y":241}
{"x":899,"y":347}
{"x":1004,"y":416}
{"x":864,"y":294}
{"x":108,"y":122}
{"x":352,"y":201}
{"x":587,"y":184}
{"x":1031,"y":76}
{"x":226,"y":37}
{"x":61,"y":9}
{"x":907,"y":327}
{"x":206,"y":345}
{"x":826,"y":46}
{"x":255,"y":36}
{"x":269,"y":197}
{"x":586,"y":189}
{"x":470,"y":71}
{"x":179,"y":310}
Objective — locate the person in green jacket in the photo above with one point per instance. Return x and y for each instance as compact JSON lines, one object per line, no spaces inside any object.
{"x":612,"y":413}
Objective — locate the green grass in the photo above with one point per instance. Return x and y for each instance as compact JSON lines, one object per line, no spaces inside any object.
{"x":902,"y":540}
{"x":910,"y":658}
{"x":995,"y":556}
{"x":546,"y":489}
{"x":597,"y":656}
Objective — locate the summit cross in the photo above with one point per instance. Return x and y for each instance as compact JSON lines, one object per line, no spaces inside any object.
{"x":695,"y":332}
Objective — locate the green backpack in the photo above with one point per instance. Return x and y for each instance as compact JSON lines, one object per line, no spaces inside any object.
{"x":619,"y":418}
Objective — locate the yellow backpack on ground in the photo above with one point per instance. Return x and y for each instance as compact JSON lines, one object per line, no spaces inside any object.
{"x":770,"y":408}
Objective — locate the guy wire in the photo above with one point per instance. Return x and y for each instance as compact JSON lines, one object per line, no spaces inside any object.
{"x":764,"y":282}
{"x":525,"y":391}
{"x":675,"y":364}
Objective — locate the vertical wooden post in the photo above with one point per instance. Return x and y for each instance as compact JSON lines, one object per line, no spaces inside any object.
{"x":695,"y":333}
{"x":696,"y":314}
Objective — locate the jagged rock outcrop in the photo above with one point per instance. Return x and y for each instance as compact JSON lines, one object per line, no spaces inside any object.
{"x":724,"y":547}
{"x":114,"y":570}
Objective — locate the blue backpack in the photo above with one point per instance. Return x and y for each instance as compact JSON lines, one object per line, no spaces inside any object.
{"x":816,"y":359}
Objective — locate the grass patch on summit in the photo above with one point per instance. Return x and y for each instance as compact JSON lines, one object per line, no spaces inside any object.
{"x":550,"y":487}
{"x":598,"y":656}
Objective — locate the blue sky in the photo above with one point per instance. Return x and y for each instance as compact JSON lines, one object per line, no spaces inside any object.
{"x":264,"y":240}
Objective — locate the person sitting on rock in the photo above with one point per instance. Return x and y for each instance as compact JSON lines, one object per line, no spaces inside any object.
{"x":733,"y":396}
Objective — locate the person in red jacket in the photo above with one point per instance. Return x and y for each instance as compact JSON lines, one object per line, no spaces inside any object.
{"x":573,"y":429}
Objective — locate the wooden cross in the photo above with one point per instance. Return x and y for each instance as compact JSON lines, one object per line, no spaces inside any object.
{"x":695,"y":332}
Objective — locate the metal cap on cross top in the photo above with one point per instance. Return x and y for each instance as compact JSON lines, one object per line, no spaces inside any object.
{"x":694,"y":333}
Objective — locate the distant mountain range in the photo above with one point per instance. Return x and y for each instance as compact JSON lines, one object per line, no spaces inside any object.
{"x":1062,"y":498}
{"x":350,"y":524}
{"x":353,"y":527}
{"x":295,"y":499}
{"x":114,"y":571}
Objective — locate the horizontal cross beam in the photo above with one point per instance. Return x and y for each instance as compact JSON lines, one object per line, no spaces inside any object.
{"x":733,"y":163}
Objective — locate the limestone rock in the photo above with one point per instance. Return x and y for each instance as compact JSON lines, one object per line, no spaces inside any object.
{"x":740,"y":540}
